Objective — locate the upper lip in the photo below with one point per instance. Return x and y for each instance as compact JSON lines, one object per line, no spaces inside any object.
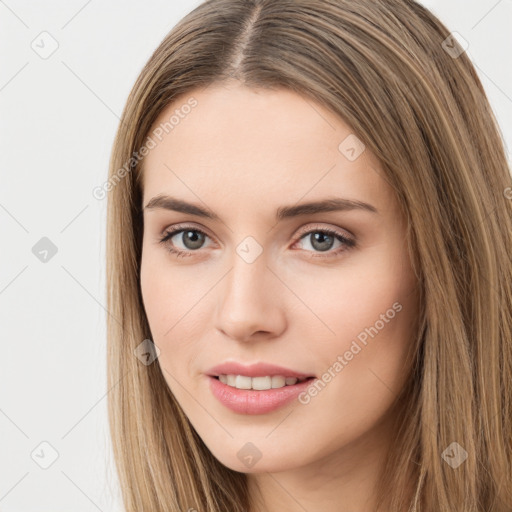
{"x":254,"y":370}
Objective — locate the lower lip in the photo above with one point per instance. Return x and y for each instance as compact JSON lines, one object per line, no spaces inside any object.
{"x":249,"y":401}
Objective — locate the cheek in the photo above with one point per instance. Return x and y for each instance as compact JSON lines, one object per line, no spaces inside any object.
{"x":353,"y":296}
{"x":366,"y":314}
{"x":168,"y":294}
{"x":177,"y":311}
{"x":155,"y":296}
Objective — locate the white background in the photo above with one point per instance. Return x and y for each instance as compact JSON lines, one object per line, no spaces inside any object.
{"x":58,"y":118}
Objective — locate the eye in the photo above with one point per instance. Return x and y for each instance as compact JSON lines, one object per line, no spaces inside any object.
{"x":191,"y":238}
{"x":323,"y":239}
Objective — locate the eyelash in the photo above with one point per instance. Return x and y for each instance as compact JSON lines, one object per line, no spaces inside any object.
{"x":348,"y":243}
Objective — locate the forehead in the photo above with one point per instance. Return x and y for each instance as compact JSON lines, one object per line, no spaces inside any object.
{"x":264,"y":144}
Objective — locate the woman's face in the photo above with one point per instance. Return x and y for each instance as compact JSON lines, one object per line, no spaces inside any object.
{"x":259,"y":280}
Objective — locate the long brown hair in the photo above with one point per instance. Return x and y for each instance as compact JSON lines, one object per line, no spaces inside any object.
{"x":391,"y":70}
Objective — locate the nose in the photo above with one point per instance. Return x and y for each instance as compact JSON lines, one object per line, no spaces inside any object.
{"x":251,"y":304}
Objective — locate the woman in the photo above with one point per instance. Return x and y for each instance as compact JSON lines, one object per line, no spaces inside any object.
{"x":309,"y":270}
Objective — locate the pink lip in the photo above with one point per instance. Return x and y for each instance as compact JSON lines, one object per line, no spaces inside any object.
{"x":253,"y":370}
{"x":249,"y":401}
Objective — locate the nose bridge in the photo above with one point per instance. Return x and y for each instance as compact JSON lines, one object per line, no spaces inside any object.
{"x":245,"y":284}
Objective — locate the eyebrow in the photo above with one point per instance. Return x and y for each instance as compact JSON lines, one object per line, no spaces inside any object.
{"x":284,"y":212}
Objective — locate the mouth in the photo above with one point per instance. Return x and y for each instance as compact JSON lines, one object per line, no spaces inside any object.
{"x":255,"y":395}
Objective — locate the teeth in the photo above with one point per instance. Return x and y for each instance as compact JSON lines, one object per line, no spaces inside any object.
{"x":258,"y":383}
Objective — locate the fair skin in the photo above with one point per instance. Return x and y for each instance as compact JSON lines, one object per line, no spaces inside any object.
{"x":244,"y":153}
